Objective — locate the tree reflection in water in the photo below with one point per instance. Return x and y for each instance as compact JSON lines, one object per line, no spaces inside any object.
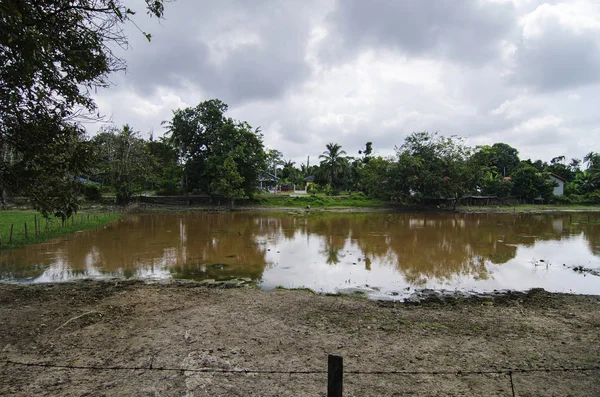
{"x":419,"y":246}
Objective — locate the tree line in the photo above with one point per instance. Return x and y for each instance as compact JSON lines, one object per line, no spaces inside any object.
{"x":206,"y":151}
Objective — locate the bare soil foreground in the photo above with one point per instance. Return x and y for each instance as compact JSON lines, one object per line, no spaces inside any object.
{"x":169,"y":331}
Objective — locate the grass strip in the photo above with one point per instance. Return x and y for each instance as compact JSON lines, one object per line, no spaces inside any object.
{"x":39,"y":229}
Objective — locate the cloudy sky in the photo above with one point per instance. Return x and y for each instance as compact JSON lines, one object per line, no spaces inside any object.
{"x":309,"y":72}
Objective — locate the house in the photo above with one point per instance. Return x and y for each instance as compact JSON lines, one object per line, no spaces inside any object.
{"x":560,"y":189}
{"x":310,"y":180}
{"x":267,"y":180}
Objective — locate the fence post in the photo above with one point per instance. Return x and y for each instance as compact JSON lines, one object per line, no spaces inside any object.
{"x":12,"y":225}
{"x":335,"y":374}
{"x":0,"y":238}
{"x":35,"y":224}
{"x":26,"y":234}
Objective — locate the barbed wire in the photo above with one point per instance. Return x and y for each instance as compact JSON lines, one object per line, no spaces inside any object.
{"x":300,"y":372}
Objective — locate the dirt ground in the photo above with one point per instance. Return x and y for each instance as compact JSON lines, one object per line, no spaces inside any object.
{"x":159,"y":328}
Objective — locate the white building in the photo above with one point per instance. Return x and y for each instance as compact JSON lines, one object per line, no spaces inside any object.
{"x":560,"y":189}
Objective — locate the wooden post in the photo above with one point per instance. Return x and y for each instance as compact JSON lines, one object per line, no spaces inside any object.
{"x":335,"y":374}
{"x":0,"y":238}
{"x":12,"y":226}
{"x":46,"y":224}
{"x":35,"y":224}
{"x":26,"y":234}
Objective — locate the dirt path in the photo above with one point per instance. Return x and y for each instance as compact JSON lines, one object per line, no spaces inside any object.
{"x":188,"y":326}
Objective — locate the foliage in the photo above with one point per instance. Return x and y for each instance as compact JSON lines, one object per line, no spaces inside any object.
{"x":205,"y":138}
{"x":122,"y":161}
{"x":494,"y":184}
{"x":374,"y":178}
{"x":53,"y":53}
{"x":321,"y":201}
{"x":333,"y":162}
{"x":529,"y":183}
{"x":228,"y":182}
{"x":592,"y":160}
{"x":433,"y":166}
{"x":165,"y":171}
{"x":91,"y":192}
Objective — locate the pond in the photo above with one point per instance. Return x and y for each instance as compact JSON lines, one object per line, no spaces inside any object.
{"x":386,"y":254}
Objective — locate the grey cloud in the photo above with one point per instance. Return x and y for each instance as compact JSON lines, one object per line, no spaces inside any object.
{"x":181,"y":53}
{"x":558,"y":59}
{"x":465,"y":31}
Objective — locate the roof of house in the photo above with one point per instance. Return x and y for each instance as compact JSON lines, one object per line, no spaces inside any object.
{"x":267,"y":176}
{"x":309,"y":178}
{"x":557,"y":177}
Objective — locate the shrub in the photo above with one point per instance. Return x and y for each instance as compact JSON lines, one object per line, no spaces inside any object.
{"x":358,"y":196}
{"x":91,"y":192}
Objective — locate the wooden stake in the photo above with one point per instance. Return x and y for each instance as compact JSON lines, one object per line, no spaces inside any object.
{"x":35,"y":224}
{"x":12,"y":226}
{"x":26,"y":234}
{"x":335,"y":374}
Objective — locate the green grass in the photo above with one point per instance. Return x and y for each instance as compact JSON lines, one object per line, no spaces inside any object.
{"x":55,"y":229}
{"x":530,"y":208}
{"x":319,"y":201}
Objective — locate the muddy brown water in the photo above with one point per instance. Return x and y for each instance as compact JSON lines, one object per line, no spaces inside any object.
{"x":386,"y":255}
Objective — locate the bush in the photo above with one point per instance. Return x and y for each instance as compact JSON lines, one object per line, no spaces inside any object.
{"x":358,"y":196}
{"x":91,"y":192}
{"x":168,"y":188}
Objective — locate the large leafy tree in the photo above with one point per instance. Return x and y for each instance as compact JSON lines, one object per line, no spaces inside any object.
{"x":333,"y":161}
{"x":123,"y":162}
{"x":375,"y":178}
{"x":434,"y":166}
{"x":205,"y":138}
{"x":165,"y":175}
{"x":529,"y":183}
{"x":53,"y":52}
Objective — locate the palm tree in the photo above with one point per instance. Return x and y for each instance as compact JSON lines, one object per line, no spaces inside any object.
{"x":593,"y":161}
{"x":332,"y":160}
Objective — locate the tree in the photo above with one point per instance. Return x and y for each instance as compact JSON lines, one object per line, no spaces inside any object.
{"x":434,"y":166}
{"x":375,"y":178}
{"x":205,"y":138}
{"x":506,"y":158}
{"x":500,"y":156}
{"x":332,"y":161}
{"x":366,"y":152}
{"x":123,"y":161}
{"x":592,"y":160}
{"x":228,"y":182}
{"x":529,"y":183}
{"x":53,"y":54}
{"x":165,"y":170}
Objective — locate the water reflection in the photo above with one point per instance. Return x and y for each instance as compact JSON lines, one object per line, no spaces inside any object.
{"x":327,"y":251}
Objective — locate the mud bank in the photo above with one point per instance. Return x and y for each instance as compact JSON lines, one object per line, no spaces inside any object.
{"x":155,"y":329}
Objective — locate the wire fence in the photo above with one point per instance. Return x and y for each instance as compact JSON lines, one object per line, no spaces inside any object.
{"x":334,"y":372}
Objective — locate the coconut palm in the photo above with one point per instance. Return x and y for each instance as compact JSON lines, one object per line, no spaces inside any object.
{"x":332,"y":160}
{"x":593,"y":161}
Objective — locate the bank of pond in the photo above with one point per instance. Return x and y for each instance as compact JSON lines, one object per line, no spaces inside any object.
{"x":384,"y":255}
